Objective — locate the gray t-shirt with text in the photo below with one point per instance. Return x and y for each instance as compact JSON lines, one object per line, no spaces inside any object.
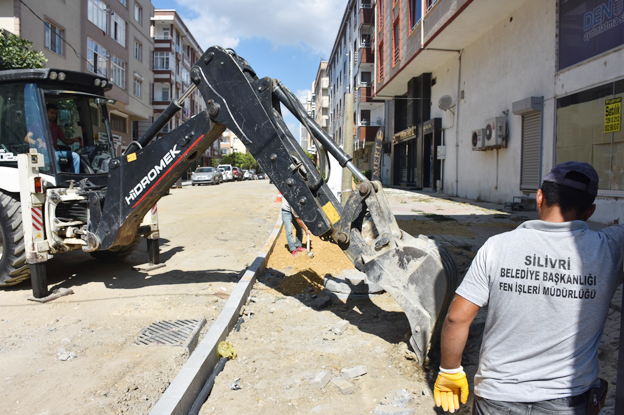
{"x":548,"y":287}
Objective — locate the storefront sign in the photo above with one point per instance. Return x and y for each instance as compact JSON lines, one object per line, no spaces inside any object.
{"x":588,"y":28}
{"x":377,"y":155}
{"x":613,"y":115}
{"x":405,"y":135}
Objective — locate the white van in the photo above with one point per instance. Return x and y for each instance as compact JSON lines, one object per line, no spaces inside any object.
{"x":228,"y":171}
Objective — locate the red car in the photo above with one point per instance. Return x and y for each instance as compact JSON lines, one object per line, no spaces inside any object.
{"x":237,"y":173}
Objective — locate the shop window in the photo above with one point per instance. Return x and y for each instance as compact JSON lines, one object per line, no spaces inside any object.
{"x":589,"y":130}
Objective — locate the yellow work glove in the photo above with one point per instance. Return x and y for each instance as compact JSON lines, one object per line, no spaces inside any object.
{"x":448,"y":387}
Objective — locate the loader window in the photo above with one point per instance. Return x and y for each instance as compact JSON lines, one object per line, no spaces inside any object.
{"x":84,"y":117}
{"x":21,"y":124}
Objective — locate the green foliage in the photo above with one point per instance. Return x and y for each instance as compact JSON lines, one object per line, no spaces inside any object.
{"x":244,"y":161}
{"x":228,"y":159}
{"x":17,"y":53}
{"x":216,"y":162}
{"x":311,"y":156}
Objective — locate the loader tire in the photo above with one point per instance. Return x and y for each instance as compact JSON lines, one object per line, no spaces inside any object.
{"x":13,"y":266}
{"x":117,"y":255}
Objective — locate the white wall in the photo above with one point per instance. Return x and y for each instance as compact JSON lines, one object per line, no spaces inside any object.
{"x":514,"y":60}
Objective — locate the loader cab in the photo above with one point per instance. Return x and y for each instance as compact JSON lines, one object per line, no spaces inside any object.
{"x":61,"y":114}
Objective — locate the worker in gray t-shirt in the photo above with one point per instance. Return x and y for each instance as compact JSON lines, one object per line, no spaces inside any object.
{"x":548,"y":285}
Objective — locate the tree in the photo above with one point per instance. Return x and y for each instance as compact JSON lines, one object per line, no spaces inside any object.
{"x":17,"y":53}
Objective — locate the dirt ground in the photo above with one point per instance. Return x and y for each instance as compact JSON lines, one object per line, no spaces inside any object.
{"x":286,"y":339}
{"x":77,"y":354}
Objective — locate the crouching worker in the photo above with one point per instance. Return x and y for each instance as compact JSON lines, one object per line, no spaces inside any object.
{"x":548,"y":285}
{"x":290,"y":219}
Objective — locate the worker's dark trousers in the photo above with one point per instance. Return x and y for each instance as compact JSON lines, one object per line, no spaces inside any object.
{"x":563,"y":406}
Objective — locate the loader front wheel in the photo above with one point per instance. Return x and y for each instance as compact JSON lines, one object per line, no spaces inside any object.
{"x":117,"y":255}
{"x":13,"y":266}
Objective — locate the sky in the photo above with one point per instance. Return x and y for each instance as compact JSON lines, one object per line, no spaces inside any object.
{"x":281,"y":39}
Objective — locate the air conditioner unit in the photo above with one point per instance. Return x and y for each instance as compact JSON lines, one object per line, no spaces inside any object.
{"x":495,"y":132}
{"x":478,"y":139}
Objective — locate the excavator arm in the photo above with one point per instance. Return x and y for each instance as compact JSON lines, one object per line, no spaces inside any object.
{"x":419,"y":275}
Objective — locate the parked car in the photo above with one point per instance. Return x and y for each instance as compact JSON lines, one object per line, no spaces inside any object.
{"x":205,"y":175}
{"x":228,"y":171}
{"x":223,"y":174}
{"x":246,"y":175}
{"x":237,"y":173}
{"x":261,"y":176}
{"x":253,"y":174}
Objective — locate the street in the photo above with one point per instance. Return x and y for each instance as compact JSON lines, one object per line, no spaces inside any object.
{"x":77,"y":354}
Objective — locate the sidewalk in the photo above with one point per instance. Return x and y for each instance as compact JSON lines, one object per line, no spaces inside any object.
{"x":463,"y":226}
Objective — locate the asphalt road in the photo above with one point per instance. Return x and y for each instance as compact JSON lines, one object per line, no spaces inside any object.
{"x":77,"y":354}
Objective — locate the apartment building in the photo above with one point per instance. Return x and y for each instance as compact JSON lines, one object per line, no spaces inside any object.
{"x":350,"y":70}
{"x":484,"y":97}
{"x":175,"y":52}
{"x":230,"y":144}
{"x":309,"y":103}
{"x":108,"y":38}
{"x":321,"y":94}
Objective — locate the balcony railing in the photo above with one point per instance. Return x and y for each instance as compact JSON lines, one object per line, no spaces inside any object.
{"x":365,"y":55}
{"x":366,"y":17}
{"x":366,"y":133}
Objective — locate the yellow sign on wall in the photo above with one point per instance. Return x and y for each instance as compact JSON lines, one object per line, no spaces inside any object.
{"x":613,"y":115}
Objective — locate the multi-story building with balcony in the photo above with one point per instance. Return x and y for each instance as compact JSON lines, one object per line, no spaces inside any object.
{"x":109,"y":38}
{"x":175,"y":52}
{"x":549,"y":74}
{"x":321,"y":93}
{"x":350,"y":68}
{"x":309,"y":103}
{"x":231,"y":144}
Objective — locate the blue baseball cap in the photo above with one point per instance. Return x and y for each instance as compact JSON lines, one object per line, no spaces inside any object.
{"x":559,"y":174}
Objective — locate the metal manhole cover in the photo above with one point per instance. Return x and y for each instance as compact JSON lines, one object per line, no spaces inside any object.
{"x":173,"y":333}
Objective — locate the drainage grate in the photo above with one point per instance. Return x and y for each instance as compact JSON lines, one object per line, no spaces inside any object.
{"x":174,"y":333}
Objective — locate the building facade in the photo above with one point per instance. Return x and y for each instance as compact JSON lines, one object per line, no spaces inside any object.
{"x":175,"y":52}
{"x":486,"y":96}
{"x":230,"y":144}
{"x":321,"y":94}
{"x":309,"y":103}
{"x":352,"y":108}
{"x":111,"y":39}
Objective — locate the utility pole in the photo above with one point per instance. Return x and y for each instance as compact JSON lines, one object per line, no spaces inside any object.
{"x":347,"y":177}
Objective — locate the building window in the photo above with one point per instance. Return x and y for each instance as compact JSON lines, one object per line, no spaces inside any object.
{"x":396,"y":44}
{"x":415,"y":13}
{"x":162,"y":61}
{"x":54,"y":38}
{"x":166,"y":33}
{"x":186,"y":76}
{"x":97,"y":14}
{"x":118,"y":69}
{"x":138,"y":85}
{"x":135,"y":130}
{"x":589,"y":129}
{"x":380,"y":61}
{"x":138,"y":13}
{"x":118,"y":123}
{"x":96,"y":58}
{"x":381,"y":4}
{"x":118,"y":29}
{"x":365,"y":78}
{"x":165,"y":93}
{"x":138,"y":51}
